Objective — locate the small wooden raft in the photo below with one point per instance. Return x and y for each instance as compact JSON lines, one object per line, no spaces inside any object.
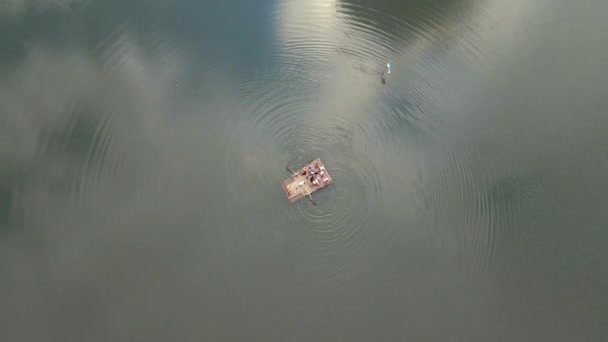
{"x":299,"y":184}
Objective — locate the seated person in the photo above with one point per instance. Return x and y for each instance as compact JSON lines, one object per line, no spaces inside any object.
{"x":319,"y":168}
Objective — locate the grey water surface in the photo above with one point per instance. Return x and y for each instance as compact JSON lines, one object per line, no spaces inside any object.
{"x":143,"y":142}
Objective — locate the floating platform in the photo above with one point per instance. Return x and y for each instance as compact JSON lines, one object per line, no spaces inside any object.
{"x":299,"y":184}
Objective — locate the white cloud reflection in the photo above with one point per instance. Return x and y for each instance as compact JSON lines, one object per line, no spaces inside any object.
{"x":16,"y":7}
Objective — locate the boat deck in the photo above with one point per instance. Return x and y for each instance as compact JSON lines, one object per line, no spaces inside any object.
{"x":299,"y":186}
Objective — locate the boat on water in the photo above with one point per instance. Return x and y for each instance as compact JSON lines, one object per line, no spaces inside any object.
{"x":310,"y":178}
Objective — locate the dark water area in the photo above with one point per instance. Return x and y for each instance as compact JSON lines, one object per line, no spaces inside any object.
{"x":142,"y":146}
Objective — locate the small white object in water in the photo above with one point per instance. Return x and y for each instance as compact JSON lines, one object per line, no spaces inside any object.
{"x":388,"y":67}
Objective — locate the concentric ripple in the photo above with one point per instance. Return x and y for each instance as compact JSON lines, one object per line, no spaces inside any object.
{"x":316,"y":93}
{"x":343,"y":226}
{"x":322,"y":97}
{"x":466,"y":205}
{"x":267,"y":123}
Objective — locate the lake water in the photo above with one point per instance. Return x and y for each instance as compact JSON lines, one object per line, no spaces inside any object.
{"x":142,"y":146}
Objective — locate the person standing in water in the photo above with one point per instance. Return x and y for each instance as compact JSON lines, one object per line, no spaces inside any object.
{"x":388,"y":70}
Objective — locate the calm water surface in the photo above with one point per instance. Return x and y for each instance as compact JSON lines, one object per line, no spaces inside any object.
{"x":142,"y":144}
